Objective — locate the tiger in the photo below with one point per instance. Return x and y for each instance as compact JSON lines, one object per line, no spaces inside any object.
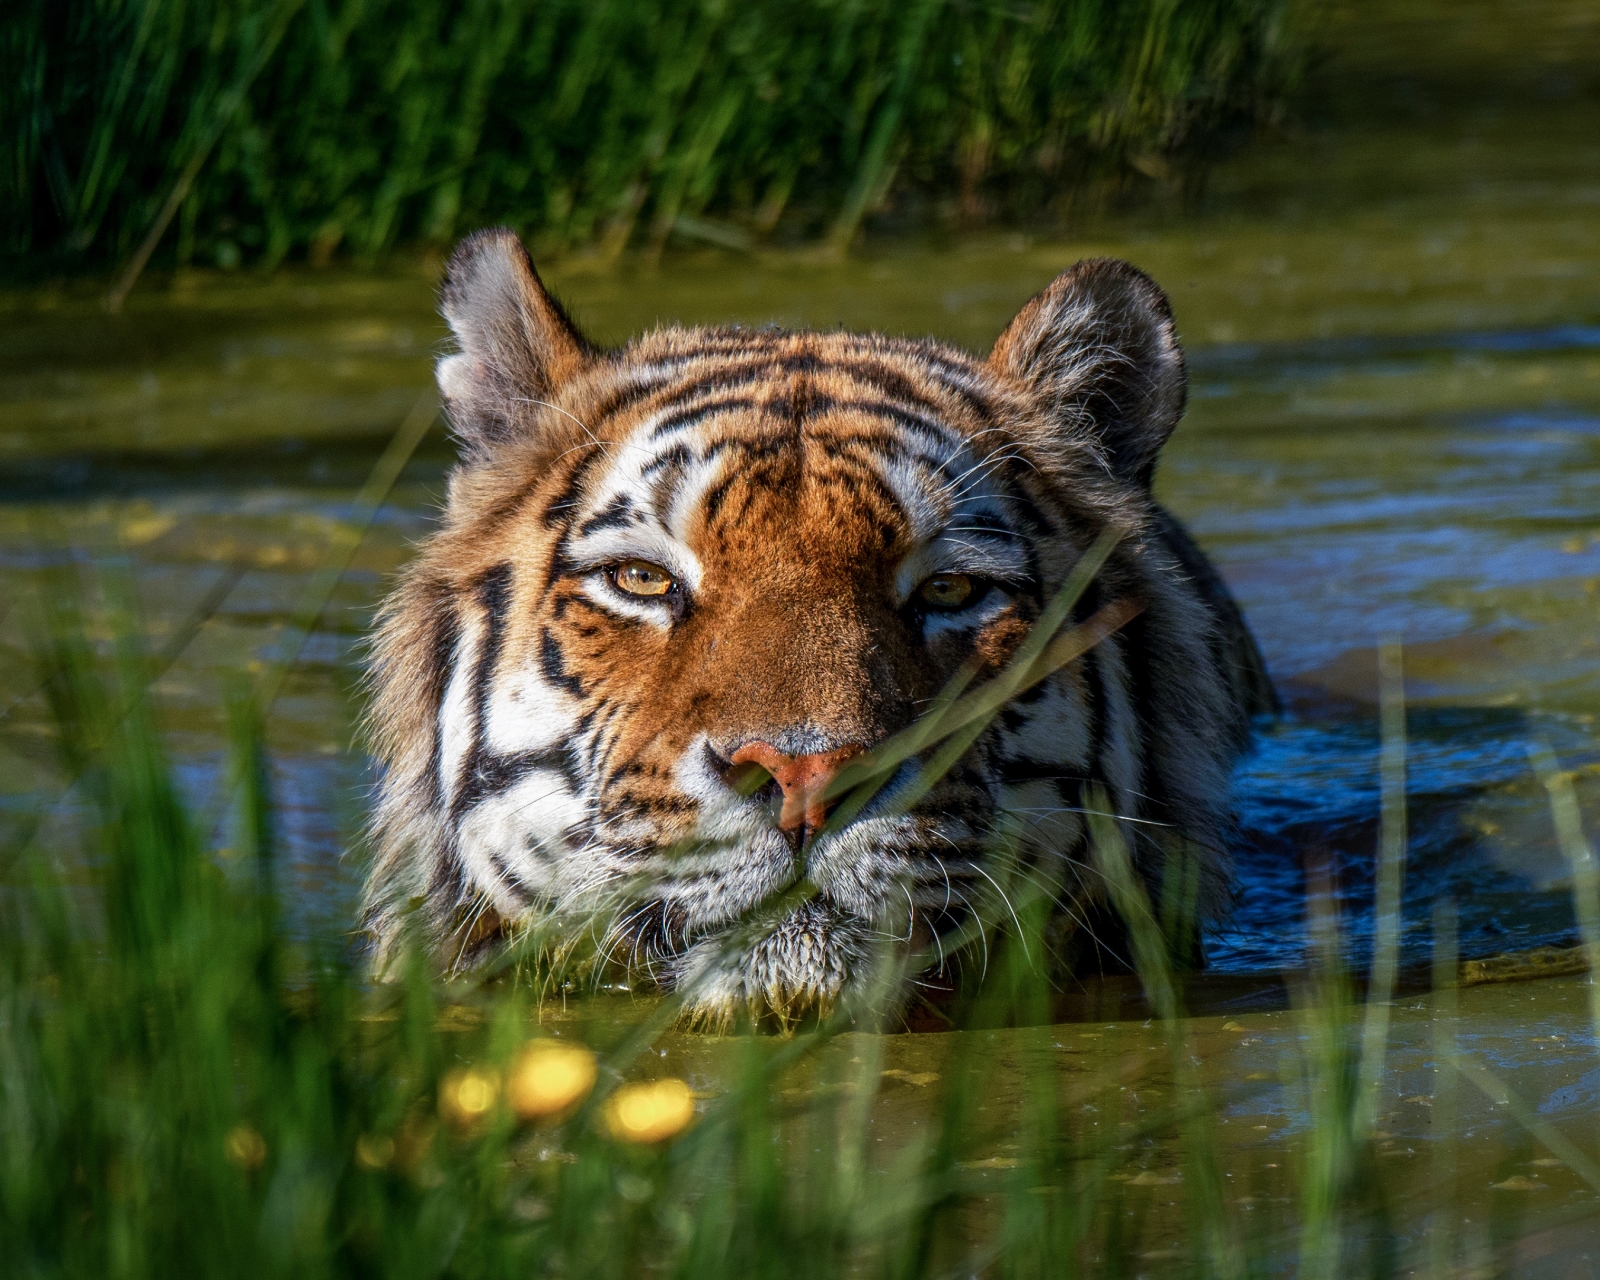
{"x":680,"y":585}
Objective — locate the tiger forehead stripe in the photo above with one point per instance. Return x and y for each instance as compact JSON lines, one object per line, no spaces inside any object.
{"x":937,"y":435}
{"x":671,"y":473}
{"x":898,"y":373}
{"x":670,"y":420}
{"x":756,"y":364}
{"x":954,"y":370}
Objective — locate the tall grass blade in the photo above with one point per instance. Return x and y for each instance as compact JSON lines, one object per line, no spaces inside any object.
{"x":1495,"y":1088}
{"x":1329,"y":1067}
{"x":1444,"y":1116}
{"x":271,"y":128}
{"x":1390,"y":877}
{"x":1217,"y":1247}
{"x":1580,"y":859}
{"x":369,"y":501}
{"x":225,"y":110}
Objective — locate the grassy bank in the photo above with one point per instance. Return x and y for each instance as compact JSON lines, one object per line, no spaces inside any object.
{"x":259,"y":130}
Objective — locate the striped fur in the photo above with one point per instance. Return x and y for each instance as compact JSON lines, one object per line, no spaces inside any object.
{"x":547,"y":738}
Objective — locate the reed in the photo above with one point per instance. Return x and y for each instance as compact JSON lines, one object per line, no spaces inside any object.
{"x":265,"y":129}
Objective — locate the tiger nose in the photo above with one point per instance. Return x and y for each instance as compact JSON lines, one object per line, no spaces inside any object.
{"x":803,"y":779}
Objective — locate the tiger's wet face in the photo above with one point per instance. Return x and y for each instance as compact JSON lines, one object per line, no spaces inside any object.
{"x":735,"y":596}
{"x":680,"y":585}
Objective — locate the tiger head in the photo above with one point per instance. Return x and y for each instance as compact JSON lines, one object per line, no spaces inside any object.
{"x":679,"y":585}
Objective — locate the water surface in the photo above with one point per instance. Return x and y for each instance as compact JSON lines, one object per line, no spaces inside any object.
{"x":1392,"y":312}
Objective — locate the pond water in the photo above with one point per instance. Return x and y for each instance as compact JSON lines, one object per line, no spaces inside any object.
{"x":1456,"y":1177}
{"x":1392,"y":313}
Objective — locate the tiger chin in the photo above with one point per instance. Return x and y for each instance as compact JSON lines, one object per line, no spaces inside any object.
{"x":682,"y":584}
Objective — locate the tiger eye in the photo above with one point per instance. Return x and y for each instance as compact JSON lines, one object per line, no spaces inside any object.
{"x":946,"y":590}
{"x":641,"y":578}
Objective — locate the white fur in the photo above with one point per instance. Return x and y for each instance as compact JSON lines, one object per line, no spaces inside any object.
{"x":525,"y":827}
{"x":458,"y":717}
{"x":527,"y":713}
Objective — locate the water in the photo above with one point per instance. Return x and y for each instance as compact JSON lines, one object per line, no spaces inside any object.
{"x":1393,"y":318}
{"x":1507,"y":1206}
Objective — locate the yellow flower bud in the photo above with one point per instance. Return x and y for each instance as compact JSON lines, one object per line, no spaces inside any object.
{"x":466,"y":1096}
{"x":548,"y":1078}
{"x":649,"y":1112}
{"x":244,"y":1147}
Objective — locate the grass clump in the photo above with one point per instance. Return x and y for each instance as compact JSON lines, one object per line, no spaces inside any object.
{"x":263,"y":129}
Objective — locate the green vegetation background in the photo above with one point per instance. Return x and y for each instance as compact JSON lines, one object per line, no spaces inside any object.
{"x":279,"y":128}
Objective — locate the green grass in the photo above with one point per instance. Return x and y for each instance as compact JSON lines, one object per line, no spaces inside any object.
{"x":187,"y":1089}
{"x":265,"y":129}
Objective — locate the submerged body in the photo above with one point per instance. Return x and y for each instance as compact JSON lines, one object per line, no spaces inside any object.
{"x":680,"y":586}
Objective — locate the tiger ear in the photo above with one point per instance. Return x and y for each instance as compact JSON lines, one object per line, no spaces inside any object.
{"x":517,"y":344}
{"x":1098,"y":349}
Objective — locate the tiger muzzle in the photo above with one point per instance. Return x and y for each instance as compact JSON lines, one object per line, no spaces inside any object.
{"x":803,"y":781}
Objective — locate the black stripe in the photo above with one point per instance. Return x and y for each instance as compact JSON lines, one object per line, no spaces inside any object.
{"x":875,"y":444}
{"x":600,"y":718}
{"x":892,"y":382}
{"x":494,"y":596}
{"x":760,"y":449}
{"x":1015,"y":769}
{"x":494,"y":774}
{"x":865,"y":363}
{"x":694,"y":414}
{"x":924,"y":414}
{"x":942,"y":433}
{"x":445,"y":885}
{"x":563,"y":503}
{"x":715,"y":497}
{"x":627,"y":397}
{"x":678,"y":457}
{"x":1134,"y":641}
{"x":862,"y":356}
{"x":509,"y":879}
{"x":442,"y":658}
{"x":619,"y":511}
{"x":552,"y":662}
{"x":978,"y":520}
{"x":1033,"y":519}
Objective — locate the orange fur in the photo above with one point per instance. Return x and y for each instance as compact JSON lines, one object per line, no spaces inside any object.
{"x":547,"y":738}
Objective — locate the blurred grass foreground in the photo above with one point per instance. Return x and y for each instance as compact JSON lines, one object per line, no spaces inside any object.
{"x":186,"y":1091}
{"x":262,"y":129}
{"x":189,"y":1087}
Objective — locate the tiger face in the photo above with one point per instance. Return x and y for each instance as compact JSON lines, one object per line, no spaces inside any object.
{"x":680,"y":585}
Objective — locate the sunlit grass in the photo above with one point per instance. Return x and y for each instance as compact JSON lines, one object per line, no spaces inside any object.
{"x":187,"y":1090}
{"x":247,"y":131}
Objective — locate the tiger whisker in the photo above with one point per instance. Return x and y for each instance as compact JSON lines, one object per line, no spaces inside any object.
{"x":1120,"y":817}
{"x":466,"y":931}
{"x":984,"y":465}
{"x":583,"y":426}
{"x":1005,"y":898}
{"x":979,"y":528}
